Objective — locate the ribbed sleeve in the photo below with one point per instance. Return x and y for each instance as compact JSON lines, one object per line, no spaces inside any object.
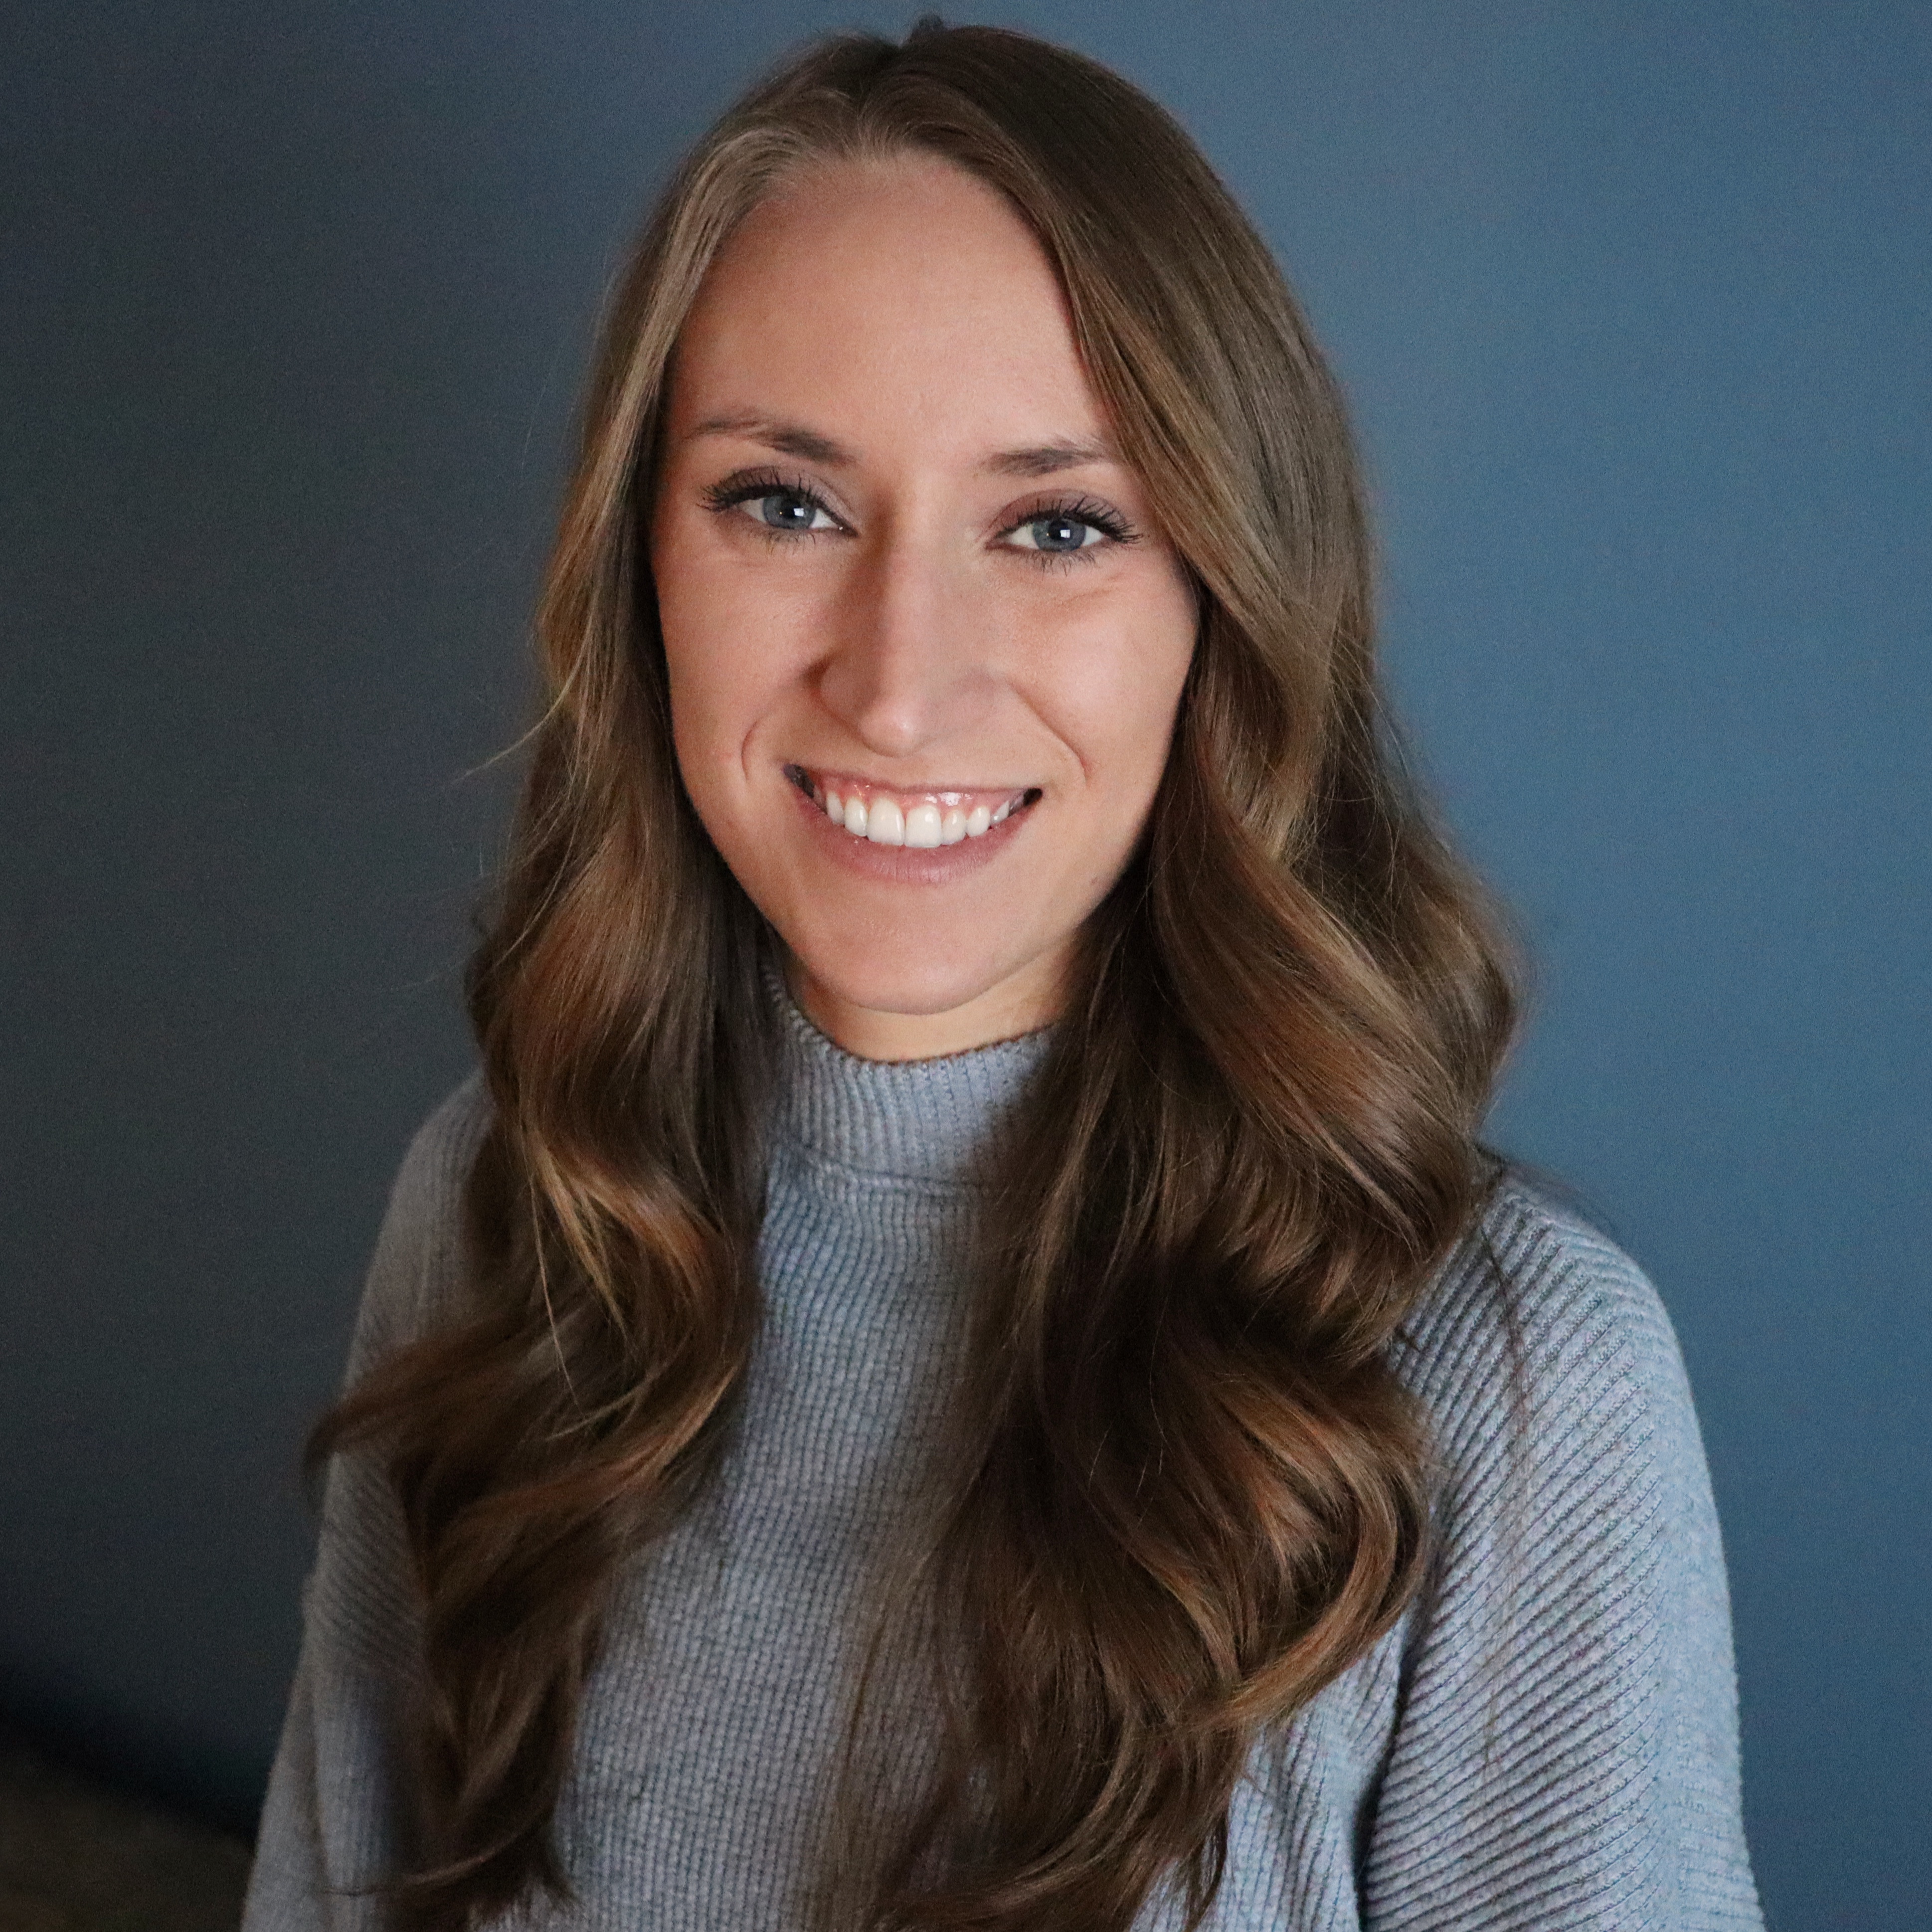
{"x":1566,"y":1755}
{"x":331,"y":1822}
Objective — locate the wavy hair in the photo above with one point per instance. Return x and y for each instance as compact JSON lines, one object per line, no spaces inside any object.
{"x":1193,"y":1492}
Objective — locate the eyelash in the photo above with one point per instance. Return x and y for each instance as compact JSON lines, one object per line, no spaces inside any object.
{"x":725,"y":496}
{"x":1098,"y":516}
{"x":748,"y":487}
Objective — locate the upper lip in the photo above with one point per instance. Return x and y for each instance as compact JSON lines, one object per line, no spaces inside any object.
{"x":940,"y":790}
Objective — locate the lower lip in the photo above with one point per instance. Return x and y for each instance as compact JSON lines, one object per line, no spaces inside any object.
{"x":908,"y":865}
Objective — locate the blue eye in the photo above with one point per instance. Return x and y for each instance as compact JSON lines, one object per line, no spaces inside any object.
{"x":1060,"y":533}
{"x":787,"y":510}
{"x":779,"y":505}
{"x":1067,"y":530}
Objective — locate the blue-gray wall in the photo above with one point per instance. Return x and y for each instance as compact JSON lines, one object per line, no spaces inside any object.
{"x":1632,"y":302}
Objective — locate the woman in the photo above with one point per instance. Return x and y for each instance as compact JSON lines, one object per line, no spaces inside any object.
{"x":962,"y":1365}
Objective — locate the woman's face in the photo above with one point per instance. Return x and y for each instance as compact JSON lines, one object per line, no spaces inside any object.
{"x":924,"y":643}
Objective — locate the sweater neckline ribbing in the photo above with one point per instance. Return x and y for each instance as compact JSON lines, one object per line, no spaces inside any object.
{"x":938,"y":1120}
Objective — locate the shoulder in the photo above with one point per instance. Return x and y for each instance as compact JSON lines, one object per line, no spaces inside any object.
{"x":1540,"y":1347}
{"x":437,"y":1159}
{"x":416,"y":1276}
{"x":1569,"y":1703}
{"x":1563,"y":1741}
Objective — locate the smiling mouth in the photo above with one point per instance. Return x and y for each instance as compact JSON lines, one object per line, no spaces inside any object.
{"x":921,"y":819}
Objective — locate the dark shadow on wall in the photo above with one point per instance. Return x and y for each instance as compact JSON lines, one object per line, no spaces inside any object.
{"x":78,"y":1856}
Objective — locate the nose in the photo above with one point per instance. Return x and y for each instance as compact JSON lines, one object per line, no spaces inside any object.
{"x":908,"y":666}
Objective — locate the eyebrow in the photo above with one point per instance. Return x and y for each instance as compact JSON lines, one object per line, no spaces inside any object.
{"x":791,"y":438}
{"x":788,"y":439}
{"x":1046,"y":457}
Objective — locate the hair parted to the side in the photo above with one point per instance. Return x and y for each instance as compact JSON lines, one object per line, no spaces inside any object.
{"x":1193,"y":1492}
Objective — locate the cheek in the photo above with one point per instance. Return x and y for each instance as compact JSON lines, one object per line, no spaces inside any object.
{"x":728,"y":657}
{"x":1110,"y":685}
{"x":706,"y":690}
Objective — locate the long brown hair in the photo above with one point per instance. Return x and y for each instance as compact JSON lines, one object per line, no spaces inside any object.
{"x":1193,"y":1491}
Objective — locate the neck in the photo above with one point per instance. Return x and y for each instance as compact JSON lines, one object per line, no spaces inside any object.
{"x":1021,"y":1003}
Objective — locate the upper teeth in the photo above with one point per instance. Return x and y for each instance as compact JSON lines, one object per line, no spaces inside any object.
{"x":926,"y":823}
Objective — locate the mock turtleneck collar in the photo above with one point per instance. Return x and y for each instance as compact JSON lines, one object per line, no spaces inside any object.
{"x":916,"y":1119}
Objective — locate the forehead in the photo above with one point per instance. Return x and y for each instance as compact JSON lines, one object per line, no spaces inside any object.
{"x":880,"y":299}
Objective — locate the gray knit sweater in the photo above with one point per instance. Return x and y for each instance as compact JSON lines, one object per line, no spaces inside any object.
{"x":1547,"y":1740}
